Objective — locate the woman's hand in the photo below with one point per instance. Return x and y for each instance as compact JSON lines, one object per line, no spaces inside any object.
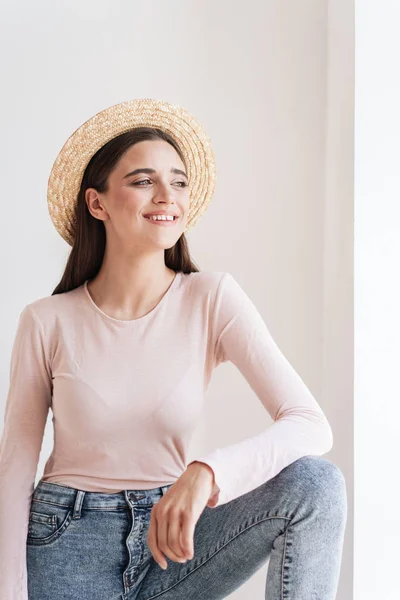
{"x":174,"y":517}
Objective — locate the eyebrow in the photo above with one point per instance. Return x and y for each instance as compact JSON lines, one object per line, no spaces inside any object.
{"x":149,"y":170}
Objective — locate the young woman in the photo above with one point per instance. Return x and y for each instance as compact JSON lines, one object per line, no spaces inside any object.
{"x":123,"y":352}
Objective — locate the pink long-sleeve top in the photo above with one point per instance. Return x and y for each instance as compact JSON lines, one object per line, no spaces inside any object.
{"x":126,"y":397}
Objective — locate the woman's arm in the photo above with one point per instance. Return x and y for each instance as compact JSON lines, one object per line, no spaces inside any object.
{"x":300,"y":427}
{"x":27,"y":405}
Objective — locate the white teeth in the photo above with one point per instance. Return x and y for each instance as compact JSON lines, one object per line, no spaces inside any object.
{"x":161,"y":217}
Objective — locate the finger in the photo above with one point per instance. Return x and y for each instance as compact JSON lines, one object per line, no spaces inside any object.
{"x":153,"y":545}
{"x":174,"y":537}
{"x":164,"y":521}
{"x":188,"y":527}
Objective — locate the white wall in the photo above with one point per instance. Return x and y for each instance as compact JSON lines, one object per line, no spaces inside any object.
{"x":263,"y":77}
{"x":377,"y":301}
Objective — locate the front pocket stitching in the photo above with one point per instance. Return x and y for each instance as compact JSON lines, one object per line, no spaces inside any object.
{"x":47,"y":503}
{"x":53,"y":536}
{"x":43,"y":519}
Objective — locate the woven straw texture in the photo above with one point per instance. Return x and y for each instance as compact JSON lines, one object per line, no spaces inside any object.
{"x":66,"y":174}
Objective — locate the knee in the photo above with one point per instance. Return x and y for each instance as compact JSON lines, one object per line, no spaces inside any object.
{"x":325,"y":482}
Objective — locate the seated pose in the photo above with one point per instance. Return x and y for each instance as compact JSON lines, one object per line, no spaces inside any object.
{"x":122,"y":352}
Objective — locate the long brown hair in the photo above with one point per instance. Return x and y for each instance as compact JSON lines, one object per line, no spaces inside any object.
{"x":87,"y":253}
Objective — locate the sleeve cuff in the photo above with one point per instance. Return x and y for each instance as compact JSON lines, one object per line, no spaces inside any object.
{"x":214,"y":497}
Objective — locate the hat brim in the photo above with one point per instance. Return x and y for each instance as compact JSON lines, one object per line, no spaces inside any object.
{"x":66,"y":174}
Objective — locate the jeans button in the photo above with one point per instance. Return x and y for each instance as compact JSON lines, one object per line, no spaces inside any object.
{"x":132,"y":496}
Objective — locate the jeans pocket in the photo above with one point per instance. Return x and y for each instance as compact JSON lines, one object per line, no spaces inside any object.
{"x":47,"y":522}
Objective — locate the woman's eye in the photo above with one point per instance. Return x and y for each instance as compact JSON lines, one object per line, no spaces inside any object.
{"x":184,"y":184}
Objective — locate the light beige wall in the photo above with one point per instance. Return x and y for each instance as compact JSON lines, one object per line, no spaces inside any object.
{"x":296,"y":259}
{"x":338,"y":270}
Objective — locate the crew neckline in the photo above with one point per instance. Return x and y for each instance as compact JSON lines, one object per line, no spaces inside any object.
{"x":139,"y":320}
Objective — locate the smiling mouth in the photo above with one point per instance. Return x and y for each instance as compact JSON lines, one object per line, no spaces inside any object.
{"x":165,"y":222}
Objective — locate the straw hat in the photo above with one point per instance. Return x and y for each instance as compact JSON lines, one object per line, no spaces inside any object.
{"x":68,"y":168}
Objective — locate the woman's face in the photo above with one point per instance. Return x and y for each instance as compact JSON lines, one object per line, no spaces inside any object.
{"x":164,"y":187}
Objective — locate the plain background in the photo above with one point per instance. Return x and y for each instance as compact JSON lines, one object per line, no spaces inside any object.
{"x":272,"y":82}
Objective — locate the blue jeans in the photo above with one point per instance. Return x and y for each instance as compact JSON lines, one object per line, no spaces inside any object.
{"x":93,"y":546}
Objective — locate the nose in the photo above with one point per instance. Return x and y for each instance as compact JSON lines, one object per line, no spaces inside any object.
{"x":165,"y":196}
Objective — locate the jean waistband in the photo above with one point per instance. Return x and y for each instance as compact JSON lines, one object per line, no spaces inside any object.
{"x":58,"y":493}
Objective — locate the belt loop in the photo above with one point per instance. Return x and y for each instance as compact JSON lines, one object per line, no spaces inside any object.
{"x":76,"y":513}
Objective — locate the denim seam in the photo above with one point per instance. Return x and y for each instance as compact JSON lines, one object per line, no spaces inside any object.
{"x":215,"y":553}
{"x":52,"y":503}
{"x":100,"y":508}
{"x":126,"y":587}
{"x":283,"y":561}
{"x":49,"y":484}
{"x":55,"y":535}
